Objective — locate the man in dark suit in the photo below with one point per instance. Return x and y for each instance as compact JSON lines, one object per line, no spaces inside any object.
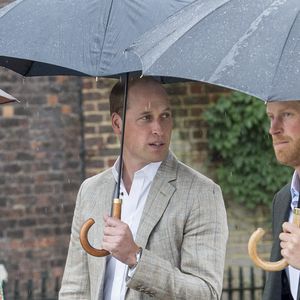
{"x":285,"y":131}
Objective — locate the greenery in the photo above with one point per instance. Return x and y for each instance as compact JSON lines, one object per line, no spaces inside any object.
{"x":241,"y":149}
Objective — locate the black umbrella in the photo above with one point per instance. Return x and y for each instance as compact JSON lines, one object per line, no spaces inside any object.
{"x":67,"y":37}
{"x":247,"y":45}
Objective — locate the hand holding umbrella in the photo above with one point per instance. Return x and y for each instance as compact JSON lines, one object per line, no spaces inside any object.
{"x":117,"y":202}
{"x":116,"y":213}
{"x":252,"y":248}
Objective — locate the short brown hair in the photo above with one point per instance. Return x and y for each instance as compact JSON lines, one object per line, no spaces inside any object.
{"x":116,"y":97}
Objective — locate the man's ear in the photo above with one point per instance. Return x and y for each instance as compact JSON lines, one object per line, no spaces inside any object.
{"x":116,"y":123}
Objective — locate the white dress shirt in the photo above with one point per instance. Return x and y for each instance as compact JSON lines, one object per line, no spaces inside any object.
{"x":132,"y":208}
{"x":293,"y":274}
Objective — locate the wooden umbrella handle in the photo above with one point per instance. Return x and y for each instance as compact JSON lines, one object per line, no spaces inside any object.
{"x":116,"y":213}
{"x":252,"y":248}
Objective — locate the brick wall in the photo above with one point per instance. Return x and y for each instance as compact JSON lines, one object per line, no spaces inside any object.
{"x":40,"y":165}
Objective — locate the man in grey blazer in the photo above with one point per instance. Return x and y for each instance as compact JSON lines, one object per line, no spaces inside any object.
{"x":172,"y":238}
{"x":285,"y":131}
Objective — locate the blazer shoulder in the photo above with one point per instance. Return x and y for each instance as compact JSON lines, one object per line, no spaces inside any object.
{"x":98,"y":179}
{"x":184,"y":170}
{"x":174,"y":169}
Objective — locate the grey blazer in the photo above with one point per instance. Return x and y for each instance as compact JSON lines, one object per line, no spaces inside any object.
{"x":277,"y":285}
{"x":183,"y":231}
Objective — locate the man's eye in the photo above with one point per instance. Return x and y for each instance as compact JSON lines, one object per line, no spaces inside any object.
{"x":146,"y":118}
{"x":286,"y":114}
{"x":166,"y":115}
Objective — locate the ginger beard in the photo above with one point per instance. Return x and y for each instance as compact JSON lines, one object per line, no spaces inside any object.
{"x":287,"y":151}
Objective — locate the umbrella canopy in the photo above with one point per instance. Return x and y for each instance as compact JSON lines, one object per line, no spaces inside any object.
{"x":6,"y":98}
{"x":55,"y":37}
{"x":247,"y":45}
{"x":67,"y":37}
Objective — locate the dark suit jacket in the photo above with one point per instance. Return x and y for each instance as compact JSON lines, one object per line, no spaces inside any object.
{"x":277,"y":285}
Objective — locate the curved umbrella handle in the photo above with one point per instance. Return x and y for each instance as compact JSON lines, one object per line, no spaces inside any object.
{"x":255,"y":238}
{"x":268,"y":266}
{"x":116,"y":213}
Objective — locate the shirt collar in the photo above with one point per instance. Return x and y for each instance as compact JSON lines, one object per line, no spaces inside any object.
{"x":295,"y":186}
{"x":149,"y":171}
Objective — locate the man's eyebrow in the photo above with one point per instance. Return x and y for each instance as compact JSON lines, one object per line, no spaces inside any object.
{"x":167,"y":109}
{"x":148,"y":111}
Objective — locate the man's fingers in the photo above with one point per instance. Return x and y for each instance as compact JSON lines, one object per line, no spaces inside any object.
{"x":111,"y":231}
{"x":284,"y":237}
{"x":290,"y":227}
{"x":112,"y":222}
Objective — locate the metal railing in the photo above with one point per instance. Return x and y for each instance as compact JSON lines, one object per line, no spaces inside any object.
{"x":33,"y":291}
{"x":240,"y":286}
{"x":244,"y":286}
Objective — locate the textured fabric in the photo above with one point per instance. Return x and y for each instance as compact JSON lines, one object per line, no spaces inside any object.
{"x":132,"y":208}
{"x":183,"y":232}
{"x":277,"y":285}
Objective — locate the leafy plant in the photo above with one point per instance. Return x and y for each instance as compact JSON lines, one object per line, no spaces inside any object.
{"x":241,"y":150}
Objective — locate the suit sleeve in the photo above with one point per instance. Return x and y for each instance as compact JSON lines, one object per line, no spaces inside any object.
{"x":202,"y":254}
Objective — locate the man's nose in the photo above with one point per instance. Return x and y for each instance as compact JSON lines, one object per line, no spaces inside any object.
{"x":157,"y":128}
{"x":275,"y":127}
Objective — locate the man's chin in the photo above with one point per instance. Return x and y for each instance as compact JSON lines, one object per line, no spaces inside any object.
{"x":159,"y":157}
{"x":283,"y":160}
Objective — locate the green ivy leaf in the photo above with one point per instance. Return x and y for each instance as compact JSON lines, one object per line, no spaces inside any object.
{"x":238,"y":138}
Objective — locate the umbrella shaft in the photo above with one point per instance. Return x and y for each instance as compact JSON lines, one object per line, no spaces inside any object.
{"x":122,"y":135}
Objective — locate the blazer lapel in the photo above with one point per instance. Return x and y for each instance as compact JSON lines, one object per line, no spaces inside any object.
{"x":104,"y":194}
{"x":281,"y":214}
{"x":103,"y":199}
{"x":281,"y":211}
{"x":158,"y":199}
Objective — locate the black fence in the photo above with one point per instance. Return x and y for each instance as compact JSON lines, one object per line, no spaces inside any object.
{"x":243,"y":285}
{"x":33,"y":292}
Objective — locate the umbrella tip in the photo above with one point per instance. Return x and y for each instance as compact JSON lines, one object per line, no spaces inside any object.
{"x":7,"y":98}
